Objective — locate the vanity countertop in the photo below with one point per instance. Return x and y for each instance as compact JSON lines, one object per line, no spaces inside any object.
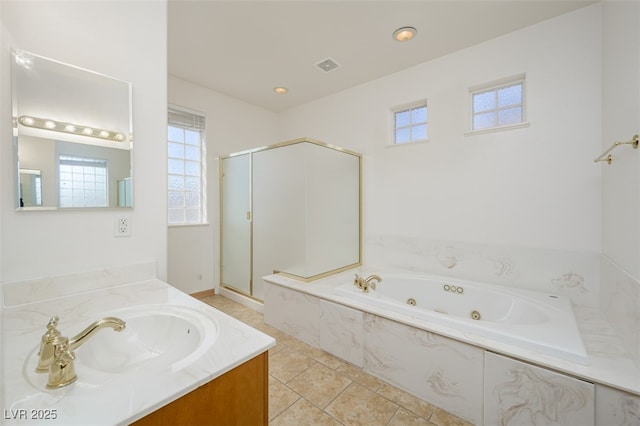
{"x":119,"y":398}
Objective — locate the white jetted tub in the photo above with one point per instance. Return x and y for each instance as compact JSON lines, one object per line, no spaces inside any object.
{"x":538,"y":321}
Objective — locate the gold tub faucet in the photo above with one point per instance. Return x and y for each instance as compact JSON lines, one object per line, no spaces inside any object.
{"x":57,"y":352}
{"x":365,"y":284}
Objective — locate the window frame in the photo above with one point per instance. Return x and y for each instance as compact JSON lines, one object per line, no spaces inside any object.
{"x":409,"y":107}
{"x":199,"y":125}
{"x":494,"y":86}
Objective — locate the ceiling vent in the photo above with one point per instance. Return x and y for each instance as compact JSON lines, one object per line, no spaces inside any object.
{"x":327,"y":65}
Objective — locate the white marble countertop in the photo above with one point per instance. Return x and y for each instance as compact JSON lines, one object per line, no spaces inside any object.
{"x":608,"y":363}
{"x":123,"y":399}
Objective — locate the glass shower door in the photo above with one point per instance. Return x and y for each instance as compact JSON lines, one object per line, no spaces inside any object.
{"x":235,"y":250}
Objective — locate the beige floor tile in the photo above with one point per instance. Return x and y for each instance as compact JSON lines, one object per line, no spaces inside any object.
{"x":250,"y":317}
{"x":304,"y":413}
{"x":277,"y":348}
{"x":442,"y":418}
{"x":294,"y":343}
{"x":287,"y":364}
{"x":220,"y":302}
{"x":319,"y":384}
{"x":280,"y":397}
{"x":404,"y":417}
{"x":406,"y":400}
{"x":357,"y":405}
{"x":237,"y":311}
{"x":324,"y":357}
{"x":358,"y":375}
{"x":272,"y":331}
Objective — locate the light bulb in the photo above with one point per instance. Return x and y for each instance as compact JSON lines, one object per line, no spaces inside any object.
{"x":404,"y":33}
{"x":27,"y":121}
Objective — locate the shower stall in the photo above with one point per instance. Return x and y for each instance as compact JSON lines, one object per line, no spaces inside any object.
{"x":292,"y":208}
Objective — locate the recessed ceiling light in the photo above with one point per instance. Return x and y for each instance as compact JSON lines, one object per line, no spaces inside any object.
{"x":404,"y":34}
{"x":280,"y":90}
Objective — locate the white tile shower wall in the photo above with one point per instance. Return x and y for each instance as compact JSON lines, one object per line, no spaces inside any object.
{"x":437,"y":369}
{"x":573,"y":274}
{"x":620,"y":304}
{"x":295,"y":313}
{"x":516,"y":393}
{"x":616,"y":408}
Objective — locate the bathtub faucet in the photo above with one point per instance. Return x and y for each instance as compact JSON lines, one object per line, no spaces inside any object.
{"x":365,"y":284}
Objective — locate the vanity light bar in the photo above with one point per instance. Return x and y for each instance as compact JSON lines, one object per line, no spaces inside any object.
{"x":74,"y":129}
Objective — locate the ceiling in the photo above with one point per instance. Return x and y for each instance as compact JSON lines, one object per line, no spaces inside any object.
{"x":246,"y":48}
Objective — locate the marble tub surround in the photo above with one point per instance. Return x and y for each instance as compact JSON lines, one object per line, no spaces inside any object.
{"x":570,"y":273}
{"x":132,"y":395}
{"x":620,"y":305}
{"x":612,"y":369}
{"x":517,"y":393}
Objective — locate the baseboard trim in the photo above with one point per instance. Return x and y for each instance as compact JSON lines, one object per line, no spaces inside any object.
{"x":204,"y":293}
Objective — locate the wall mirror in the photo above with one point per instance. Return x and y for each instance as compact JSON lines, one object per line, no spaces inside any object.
{"x":72,"y":136}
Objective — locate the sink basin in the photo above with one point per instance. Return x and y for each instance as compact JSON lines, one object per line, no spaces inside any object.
{"x":156,"y":339}
{"x":153,"y":338}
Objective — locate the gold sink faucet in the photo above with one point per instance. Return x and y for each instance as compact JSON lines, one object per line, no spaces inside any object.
{"x":57,"y":352}
{"x":365,"y":284}
{"x":116,"y":323}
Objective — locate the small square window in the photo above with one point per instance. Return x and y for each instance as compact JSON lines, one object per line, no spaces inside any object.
{"x":498,"y":104}
{"x":410,"y":123}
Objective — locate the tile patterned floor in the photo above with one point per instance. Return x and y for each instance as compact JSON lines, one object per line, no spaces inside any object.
{"x":308,"y":386}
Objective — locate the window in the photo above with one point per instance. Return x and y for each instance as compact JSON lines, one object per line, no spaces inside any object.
{"x":186,"y":152}
{"x":82,"y":182}
{"x":498,"y":104}
{"x":410,"y":123}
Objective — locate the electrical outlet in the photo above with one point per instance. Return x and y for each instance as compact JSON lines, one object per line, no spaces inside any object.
{"x":122,"y":226}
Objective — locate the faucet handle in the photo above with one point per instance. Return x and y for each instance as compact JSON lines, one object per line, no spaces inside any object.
{"x":53,"y":323}
{"x":61,"y":371}
{"x":361,"y":284}
{"x":46,"y":352}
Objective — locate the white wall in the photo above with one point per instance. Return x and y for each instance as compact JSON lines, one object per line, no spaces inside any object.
{"x":620,"y":121}
{"x":232,"y":126}
{"x":126,"y":40}
{"x":535,"y":186}
{"x":620,"y":277}
{"x":5,"y":110}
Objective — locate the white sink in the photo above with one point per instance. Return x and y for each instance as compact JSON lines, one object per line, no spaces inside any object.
{"x":156,"y":339}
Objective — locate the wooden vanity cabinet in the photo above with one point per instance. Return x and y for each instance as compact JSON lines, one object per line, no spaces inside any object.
{"x":238,"y":397}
